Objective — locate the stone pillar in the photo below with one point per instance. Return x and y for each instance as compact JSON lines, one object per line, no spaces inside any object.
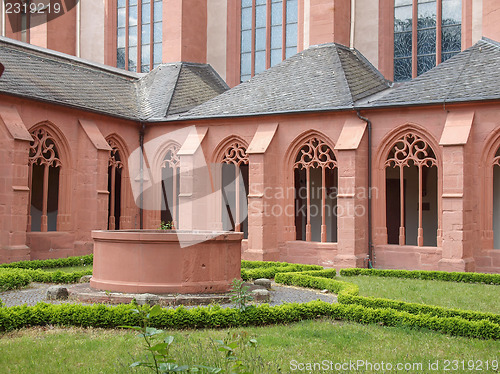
{"x":457,"y":211}
{"x":352,"y":198}
{"x":185,"y":31}
{"x":329,"y":21}
{"x":262,"y":236}
{"x":14,"y":190}
{"x":457,"y":216}
{"x":196,"y":194}
{"x":90,"y":200}
{"x":262,"y":220}
{"x":491,"y":15}
{"x":352,"y":220}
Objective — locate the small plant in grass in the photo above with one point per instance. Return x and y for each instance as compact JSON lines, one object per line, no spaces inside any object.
{"x":240,"y":296}
{"x":1,"y":303}
{"x":168,"y":225}
{"x":229,"y":346}
{"x":162,"y":362}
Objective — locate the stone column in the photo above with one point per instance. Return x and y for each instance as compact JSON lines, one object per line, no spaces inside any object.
{"x":14,"y":190}
{"x":457,"y":211}
{"x":457,"y":214}
{"x":262,"y":220}
{"x":352,"y":220}
{"x":185,"y":31}
{"x":352,"y":199}
{"x":90,"y":199}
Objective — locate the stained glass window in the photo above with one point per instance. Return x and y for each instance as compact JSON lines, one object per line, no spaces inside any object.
{"x":426,"y":39}
{"x":139,"y":34}
{"x":276,"y":31}
{"x":291,"y":27}
{"x":451,"y":29}
{"x":402,"y":39}
{"x":260,"y":36}
{"x":246,"y":40}
{"x":426,"y":35}
{"x":255,"y":24}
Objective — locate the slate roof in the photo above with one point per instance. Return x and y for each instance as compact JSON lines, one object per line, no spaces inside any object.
{"x":472,"y":75}
{"x":324,"y":77}
{"x":49,"y":76}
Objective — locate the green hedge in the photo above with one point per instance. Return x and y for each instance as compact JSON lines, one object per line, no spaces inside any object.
{"x":426,"y":275}
{"x":348,"y":293}
{"x":41,"y":276}
{"x":351,"y":306}
{"x":11,"y":279}
{"x":54,"y":263}
{"x":269,"y":264}
{"x":271,"y":271}
{"x":415,"y":308}
{"x":216,"y":317}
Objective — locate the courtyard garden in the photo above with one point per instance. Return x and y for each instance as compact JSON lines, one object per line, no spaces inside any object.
{"x":384,"y":321}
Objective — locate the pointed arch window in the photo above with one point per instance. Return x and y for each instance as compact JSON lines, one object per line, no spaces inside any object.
{"x":43,"y":181}
{"x":170,"y":184}
{"x":316,"y":181}
{"x":411,"y":192}
{"x":115,"y":168}
{"x":235,"y":190}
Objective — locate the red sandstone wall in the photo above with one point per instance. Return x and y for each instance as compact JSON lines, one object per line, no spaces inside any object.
{"x":83,"y":196}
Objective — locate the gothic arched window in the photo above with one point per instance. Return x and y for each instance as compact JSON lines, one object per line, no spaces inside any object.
{"x":316,"y":179}
{"x":43,"y":180}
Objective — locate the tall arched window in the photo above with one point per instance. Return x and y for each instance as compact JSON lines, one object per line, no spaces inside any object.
{"x":234,"y":193}
{"x":170,"y":184}
{"x":411,"y":192}
{"x":43,"y":180}
{"x":316,"y":180}
{"x":115,"y":167}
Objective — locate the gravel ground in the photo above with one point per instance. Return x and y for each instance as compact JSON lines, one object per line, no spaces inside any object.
{"x":279,"y":295}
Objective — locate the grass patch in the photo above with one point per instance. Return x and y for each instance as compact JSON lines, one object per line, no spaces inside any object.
{"x":69,"y":269}
{"x":77,"y":350}
{"x":478,"y":297}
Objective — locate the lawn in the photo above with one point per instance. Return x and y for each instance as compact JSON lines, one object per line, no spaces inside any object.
{"x":69,"y":269}
{"x":479,"y":297}
{"x":295,"y":348}
{"x":76,"y":350}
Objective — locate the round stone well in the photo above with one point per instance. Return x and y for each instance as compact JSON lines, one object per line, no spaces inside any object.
{"x":165,"y":261}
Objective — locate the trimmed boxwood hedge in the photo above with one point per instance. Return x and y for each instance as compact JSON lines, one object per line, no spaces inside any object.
{"x":11,"y":279}
{"x":351,"y":306}
{"x":52,"y":263}
{"x":216,"y":317}
{"x":348,"y":293}
{"x":271,"y":271}
{"x":427,"y":275}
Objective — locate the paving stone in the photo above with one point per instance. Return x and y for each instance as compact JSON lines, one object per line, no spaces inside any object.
{"x":263,"y":282}
{"x":57,"y":293}
{"x":85,"y":279}
{"x":147,"y":298}
{"x":261,"y":296}
{"x":37,"y":292}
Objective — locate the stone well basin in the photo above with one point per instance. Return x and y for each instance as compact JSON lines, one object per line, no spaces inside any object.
{"x":153,"y":261}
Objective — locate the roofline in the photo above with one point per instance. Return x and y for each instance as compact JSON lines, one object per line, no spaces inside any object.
{"x":428,"y":103}
{"x":338,"y":109}
{"x":70,"y":58}
{"x":66,"y":105}
{"x":177,"y":118}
